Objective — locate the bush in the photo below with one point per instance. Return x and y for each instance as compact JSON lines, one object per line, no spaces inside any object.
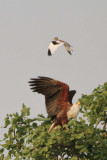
{"x":85,"y":140}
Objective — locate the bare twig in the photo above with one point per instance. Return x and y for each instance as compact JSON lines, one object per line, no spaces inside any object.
{"x":97,"y":123}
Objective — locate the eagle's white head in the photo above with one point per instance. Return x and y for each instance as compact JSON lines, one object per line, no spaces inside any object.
{"x":73,"y":111}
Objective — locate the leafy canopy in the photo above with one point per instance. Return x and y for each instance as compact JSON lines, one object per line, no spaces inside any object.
{"x":86,"y":138}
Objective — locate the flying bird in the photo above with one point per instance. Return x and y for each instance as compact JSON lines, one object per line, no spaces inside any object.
{"x":57,"y":43}
{"x":58,"y":99}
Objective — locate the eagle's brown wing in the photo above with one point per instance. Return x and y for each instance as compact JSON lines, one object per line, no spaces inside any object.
{"x":54,"y":92}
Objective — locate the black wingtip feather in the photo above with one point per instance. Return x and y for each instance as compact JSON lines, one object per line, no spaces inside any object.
{"x":69,"y":52}
{"x":38,"y":84}
{"x":49,"y":52}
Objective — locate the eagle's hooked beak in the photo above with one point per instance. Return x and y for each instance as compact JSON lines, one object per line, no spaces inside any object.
{"x":78,"y":103}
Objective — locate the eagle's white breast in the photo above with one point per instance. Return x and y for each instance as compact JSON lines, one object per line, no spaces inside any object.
{"x":73,"y":111}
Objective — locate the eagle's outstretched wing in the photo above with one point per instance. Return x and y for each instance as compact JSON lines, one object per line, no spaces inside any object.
{"x":56,"y":93}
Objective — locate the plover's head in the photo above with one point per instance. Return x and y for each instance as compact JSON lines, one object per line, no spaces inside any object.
{"x":56,"y":38}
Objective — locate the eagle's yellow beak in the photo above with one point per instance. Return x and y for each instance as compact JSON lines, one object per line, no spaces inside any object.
{"x":78,"y":103}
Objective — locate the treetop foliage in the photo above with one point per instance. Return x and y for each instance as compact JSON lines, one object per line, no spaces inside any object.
{"x":86,"y":138}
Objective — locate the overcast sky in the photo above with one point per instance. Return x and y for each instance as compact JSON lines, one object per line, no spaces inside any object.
{"x":26,"y":29}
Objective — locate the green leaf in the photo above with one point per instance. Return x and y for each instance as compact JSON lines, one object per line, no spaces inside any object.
{"x":79,"y":146}
{"x":74,"y":158}
{"x":1,"y":150}
{"x":25,"y":111}
{"x":6,"y":135}
{"x":2,"y":157}
{"x":7,"y":121}
{"x":34,"y":125}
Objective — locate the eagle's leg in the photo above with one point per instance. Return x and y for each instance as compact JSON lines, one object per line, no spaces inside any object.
{"x":65,"y":122}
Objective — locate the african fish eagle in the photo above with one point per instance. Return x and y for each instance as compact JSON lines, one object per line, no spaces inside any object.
{"x":58,"y":99}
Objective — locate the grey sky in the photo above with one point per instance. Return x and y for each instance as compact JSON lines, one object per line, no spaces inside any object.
{"x":26,"y":29}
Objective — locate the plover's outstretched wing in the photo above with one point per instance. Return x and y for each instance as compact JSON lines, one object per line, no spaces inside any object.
{"x":68,"y":48}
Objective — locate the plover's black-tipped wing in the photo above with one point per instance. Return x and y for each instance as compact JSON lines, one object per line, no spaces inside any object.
{"x":53,"y":47}
{"x":68,"y":48}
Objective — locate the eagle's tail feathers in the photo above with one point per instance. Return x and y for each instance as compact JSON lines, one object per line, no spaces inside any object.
{"x":52,"y":127}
